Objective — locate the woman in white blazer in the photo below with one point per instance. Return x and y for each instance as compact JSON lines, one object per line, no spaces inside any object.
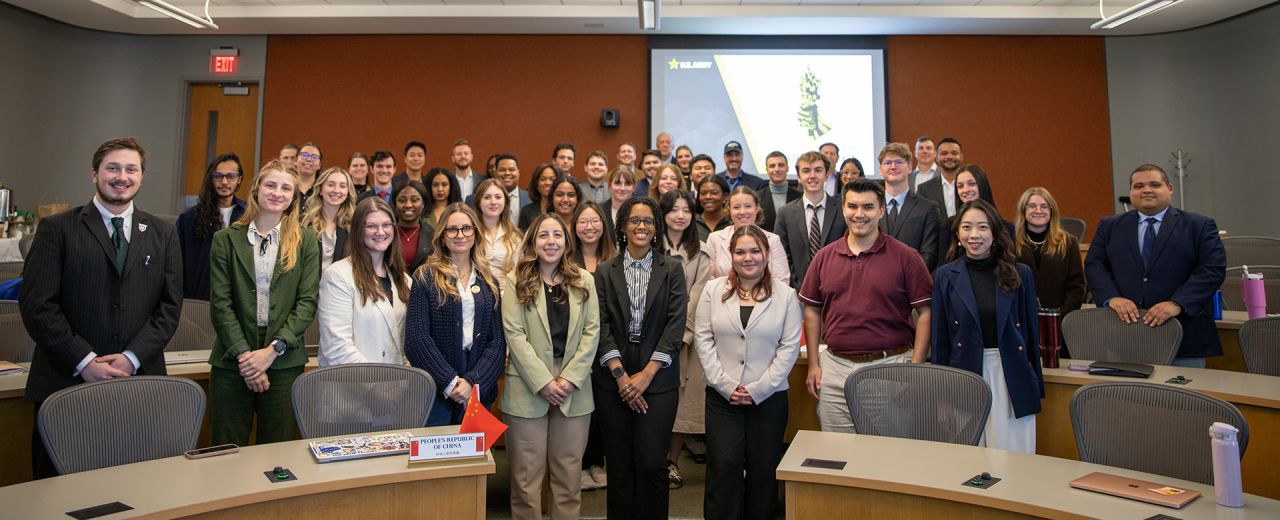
{"x":363,"y":296}
{"x":747,"y":338}
{"x":551,"y":317}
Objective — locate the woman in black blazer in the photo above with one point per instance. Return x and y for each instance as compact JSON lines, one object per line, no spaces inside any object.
{"x":415,"y":234}
{"x":984,"y":320}
{"x":637,"y":377}
{"x":539,"y":194}
{"x":329,"y":214}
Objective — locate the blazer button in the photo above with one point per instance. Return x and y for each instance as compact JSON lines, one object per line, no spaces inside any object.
{"x":1019,"y":348}
{"x":957,"y":322}
{"x":1018,"y":324}
{"x":742,"y":362}
{"x":959,"y":344}
{"x":742,"y":336}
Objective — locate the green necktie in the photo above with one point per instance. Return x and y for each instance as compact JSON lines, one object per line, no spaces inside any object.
{"x":117,"y":239}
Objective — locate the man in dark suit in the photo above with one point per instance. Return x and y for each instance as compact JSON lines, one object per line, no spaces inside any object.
{"x":383,"y":166}
{"x":910,"y":218}
{"x":812,"y":221}
{"x":507,"y":173}
{"x":102,"y":287}
{"x":778,"y":193}
{"x":1162,"y":259}
{"x":941,"y":190}
{"x":733,"y":172}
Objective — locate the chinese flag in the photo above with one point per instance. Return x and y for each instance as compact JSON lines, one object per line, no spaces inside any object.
{"x":479,"y":420}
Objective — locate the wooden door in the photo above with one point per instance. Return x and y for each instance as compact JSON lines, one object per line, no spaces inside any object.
{"x":218,"y":123}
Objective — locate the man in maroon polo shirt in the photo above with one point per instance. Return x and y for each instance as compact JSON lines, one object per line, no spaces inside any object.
{"x":859,"y":293}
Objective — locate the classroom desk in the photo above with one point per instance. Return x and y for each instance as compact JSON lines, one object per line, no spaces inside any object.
{"x":233,"y":487}
{"x":17,"y":418}
{"x":1229,"y":333}
{"x":1257,"y":397}
{"x":900,"y":478}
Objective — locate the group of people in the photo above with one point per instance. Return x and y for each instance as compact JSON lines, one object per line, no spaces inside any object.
{"x":624,"y":310}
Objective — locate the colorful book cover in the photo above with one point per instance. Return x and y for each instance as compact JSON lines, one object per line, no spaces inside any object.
{"x":360,"y":447}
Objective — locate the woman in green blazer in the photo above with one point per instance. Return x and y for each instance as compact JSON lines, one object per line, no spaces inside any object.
{"x":551,"y":319}
{"x":265,"y":275}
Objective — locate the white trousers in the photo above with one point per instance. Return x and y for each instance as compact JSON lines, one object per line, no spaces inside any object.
{"x":1003,"y":430}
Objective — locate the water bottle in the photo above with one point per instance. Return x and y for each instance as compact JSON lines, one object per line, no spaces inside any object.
{"x":1226,"y":465}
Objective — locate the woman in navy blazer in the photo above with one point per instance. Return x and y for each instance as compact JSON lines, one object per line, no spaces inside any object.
{"x":985,"y":321}
{"x":453,"y":328}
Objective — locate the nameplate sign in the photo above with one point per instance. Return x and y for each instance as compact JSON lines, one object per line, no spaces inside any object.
{"x":446,"y":447}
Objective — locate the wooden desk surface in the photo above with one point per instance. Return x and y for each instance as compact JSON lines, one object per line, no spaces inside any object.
{"x":1233,"y":387}
{"x":173,"y":487}
{"x":1032,"y":484}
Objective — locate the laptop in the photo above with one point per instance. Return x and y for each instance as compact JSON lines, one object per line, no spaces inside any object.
{"x":184,"y":357}
{"x":1115,"y":368}
{"x":1134,"y":489}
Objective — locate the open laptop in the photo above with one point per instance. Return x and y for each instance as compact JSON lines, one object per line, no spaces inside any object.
{"x":1134,"y":489}
{"x":183,"y":357}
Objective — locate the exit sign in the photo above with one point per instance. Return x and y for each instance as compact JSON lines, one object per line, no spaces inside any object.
{"x":224,"y":64}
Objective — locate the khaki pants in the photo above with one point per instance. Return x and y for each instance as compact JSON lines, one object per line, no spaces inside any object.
{"x":833,"y":410}
{"x":534,"y":444}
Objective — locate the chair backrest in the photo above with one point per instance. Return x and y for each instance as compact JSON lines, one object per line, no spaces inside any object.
{"x":9,"y":307}
{"x":1252,"y":251}
{"x":195,"y":328}
{"x":361,"y":398}
{"x":1260,"y":345}
{"x":922,"y":402}
{"x":1099,"y":335}
{"x":15,"y":344}
{"x":1152,"y":428}
{"x":1231,"y":297}
{"x":1075,"y":227}
{"x":120,"y":421}
{"x":10,"y":271}
{"x":24,"y":244}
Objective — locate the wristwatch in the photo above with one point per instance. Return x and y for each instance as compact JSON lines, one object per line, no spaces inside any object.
{"x":279,"y":345}
{"x":617,"y":371}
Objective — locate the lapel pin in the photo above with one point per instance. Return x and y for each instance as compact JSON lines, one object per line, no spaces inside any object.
{"x":475,"y":289}
{"x":142,"y":227}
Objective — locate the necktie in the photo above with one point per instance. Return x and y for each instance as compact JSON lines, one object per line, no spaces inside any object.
{"x":893,"y":216}
{"x":117,"y":239}
{"x":815,"y":234}
{"x":1148,"y":241}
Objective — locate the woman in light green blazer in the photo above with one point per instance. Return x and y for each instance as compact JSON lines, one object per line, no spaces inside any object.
{"x":264,"y":279}
{"x":551,"y":317}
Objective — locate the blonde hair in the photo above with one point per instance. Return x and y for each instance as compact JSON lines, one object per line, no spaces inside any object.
{"x":290,"y":227}
{"x":653,"y":183}
{"x":313,"y":216}
{"x":1055,"y":242}
{"x":511,"y":236}
{"x":439,"y":267}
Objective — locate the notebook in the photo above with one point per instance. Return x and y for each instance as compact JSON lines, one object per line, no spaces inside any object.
{"x":1134,"y":489}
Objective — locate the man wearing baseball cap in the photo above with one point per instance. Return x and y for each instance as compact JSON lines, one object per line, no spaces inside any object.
{"x":733,"y":169}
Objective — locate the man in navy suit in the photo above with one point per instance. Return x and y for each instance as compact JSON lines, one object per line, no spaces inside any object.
{"x":102,"y":287}
{"x":1162,"y":259}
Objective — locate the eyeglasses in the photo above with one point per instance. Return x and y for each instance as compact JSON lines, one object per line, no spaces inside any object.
{"x":455,"y":232}
{"x":893,"y":162}
{"x":589,"y":222}
{"x":219,"y":177}
{"x":637,"y":221}
{"x":374,"y":228}
{"x":309,"y":156}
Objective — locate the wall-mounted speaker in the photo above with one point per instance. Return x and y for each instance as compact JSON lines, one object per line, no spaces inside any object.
{"x":610,"y":117}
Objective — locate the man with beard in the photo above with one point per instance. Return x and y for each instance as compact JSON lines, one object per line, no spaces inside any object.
{"x":102,"y":288}
{"x":926,"y":164}
{"x":942,"y":189}
{"x":650,"y":160}
{"x":733,"y":172}
{"x":507,"y":172}
{"x":216,"y":208}
{"x":778,"y":193}
{"x":467,"y":179}
{"x":595,"y":189}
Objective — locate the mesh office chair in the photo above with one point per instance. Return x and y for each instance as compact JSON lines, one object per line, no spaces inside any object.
{"x":1099,"y":335}
{"x":133,"y":419}
{"x":16,"y":344}
{"x":922,"y":402}
{"x":9,"y":307}
{"x":195,"y":328}
{"x":10,"y":271}
{"x":1075,"y":227}
{"x":1152,"y":428}
{"x":1231,"y":297}
{"x":1260,"y":345}
{"x":1252,"y":251}
{"x":361,"y":398}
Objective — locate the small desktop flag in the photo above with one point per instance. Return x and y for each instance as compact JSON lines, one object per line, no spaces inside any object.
{"x":479,"y":420}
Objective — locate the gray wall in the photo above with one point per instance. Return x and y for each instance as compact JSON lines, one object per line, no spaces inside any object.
{"x":1215,"y":93}
{"x":67,"y":89}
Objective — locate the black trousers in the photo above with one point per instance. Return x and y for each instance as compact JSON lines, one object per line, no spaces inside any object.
{"x":41,"y":464}
{"x":743,"y":438}
{"x":635,"y":446}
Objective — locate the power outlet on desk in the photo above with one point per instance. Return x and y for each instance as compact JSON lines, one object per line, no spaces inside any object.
{"x":982,"y":480}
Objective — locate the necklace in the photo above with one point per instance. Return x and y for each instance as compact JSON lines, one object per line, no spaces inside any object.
{"x":404,"y":237}
{"x":744,"y":294}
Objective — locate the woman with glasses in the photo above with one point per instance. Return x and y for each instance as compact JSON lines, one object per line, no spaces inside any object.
{"x":329,"y":214}
{"x":744,"y":210}
{"x":363,"y":296}
{"x":1053,"y":254}
{"x":500,"y":237}
{"x":592,"y":245}
{"x":850,"y":169}
{"x":643,"y":312}
{"x":454,"y":324}
{"x":216,"y":208}
{"x":414,"y":233}
{"x":445,"y":190}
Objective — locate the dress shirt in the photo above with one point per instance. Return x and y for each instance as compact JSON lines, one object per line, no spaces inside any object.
{"x":809,"y":210}
{"x":226,"y":215}
{"x":926,"y":175}
{"x":107,"y":215}
{"x":948,"y":195}
{"x":637,"y":274}
{"x":266,"y":249}
{"x":467,"y":184}
{"x":468,"y":324}
{"x":513,"y":204}
{"x":328,"y":242}
{"x":901,"y":198}
{"x":595,"y":193}
{"x":384,"y":194}
{"x":1142,"y":224}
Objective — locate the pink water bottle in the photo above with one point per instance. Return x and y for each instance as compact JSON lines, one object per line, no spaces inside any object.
{"x":1226,"y":465}
{"x":1253,"y":291}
